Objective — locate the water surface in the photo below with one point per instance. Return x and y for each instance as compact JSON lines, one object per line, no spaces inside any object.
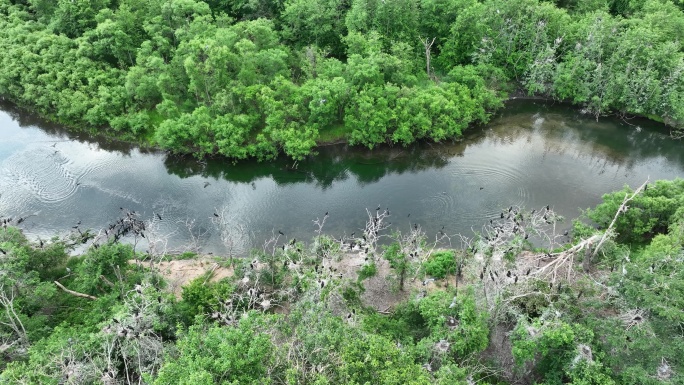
{"x":531,"y":155}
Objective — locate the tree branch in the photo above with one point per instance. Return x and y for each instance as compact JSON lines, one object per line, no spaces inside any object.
{"x":75,"y":293}
{"x":623,"y":208}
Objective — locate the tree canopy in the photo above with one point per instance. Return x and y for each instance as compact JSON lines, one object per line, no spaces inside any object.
{"x":259,"y":78}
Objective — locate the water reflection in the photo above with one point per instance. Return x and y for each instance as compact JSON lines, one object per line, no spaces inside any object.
{"x":529,"y":155}
{"x":331,"y":164}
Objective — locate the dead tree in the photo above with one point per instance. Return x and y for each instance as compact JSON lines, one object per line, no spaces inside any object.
{"x":428,"y":53}
{"x":622,"y":209}
{"x":372,"y":232}
{"x":232,"y":234}
{"x":12,"y":320}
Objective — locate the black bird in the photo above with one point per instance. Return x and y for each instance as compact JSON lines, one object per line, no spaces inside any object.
{"x":326,"y":213}
{"x":54,"y":144}
{"x":550,"y":285}
{"x":510,"y":209}
{"x":508,"y":274}
{"x":352,"y":234}
{"x":216,"y":215}
{"x":206,"y":184}
{"x":481,"y":275}
{"x":527,"y":236}
{"x":20,"y":220}
{"x":280,"y":232}
{"x":502,"y":215}
{"x":408,"y":216}
{"x":115,"y":320}
{"x":378,"y":209}
{"x":516,"y":279}
{"x":548,"y":208}
{"x":579,"y":294}
{"x":481,"y":188}
{"x":533,"y":211}
{"x":159,"y":216}
{"x":3,"y":251}
{"x":415,"y":226}
{"x":565,"y":233}
{"x":645,"y":187}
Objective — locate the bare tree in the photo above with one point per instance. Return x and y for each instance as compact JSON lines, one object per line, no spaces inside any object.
{"x":231,"y":233}
{"x":428,"y":53}
{"x":622,"y":209}
{"x":11,"y":320}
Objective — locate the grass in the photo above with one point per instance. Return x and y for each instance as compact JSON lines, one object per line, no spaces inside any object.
{"x":334,"y":133}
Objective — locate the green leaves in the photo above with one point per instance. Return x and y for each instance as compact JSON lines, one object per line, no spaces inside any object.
{"x":647,"y":215}
{"x":214,"y":354}
{"x":440,"y":264}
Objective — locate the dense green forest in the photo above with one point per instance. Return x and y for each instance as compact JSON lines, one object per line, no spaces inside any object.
{"x":603,"y":305}
{"x":261,"y":77}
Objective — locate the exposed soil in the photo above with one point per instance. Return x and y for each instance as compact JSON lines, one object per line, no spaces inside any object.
{"x":179,"y":273}
{"x":380,"y":292}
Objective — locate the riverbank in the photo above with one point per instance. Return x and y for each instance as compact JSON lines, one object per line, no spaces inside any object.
{"x":498,"y":311}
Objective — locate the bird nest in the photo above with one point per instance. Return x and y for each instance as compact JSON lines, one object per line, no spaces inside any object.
{"x":664,"y":372}
{"x":633,"y":318}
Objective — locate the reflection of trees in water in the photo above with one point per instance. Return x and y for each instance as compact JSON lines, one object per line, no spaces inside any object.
{"x":26,"y":119}
{"x":610,"y":141}
{"x":560,"y":130}
{"x":331,"y":164}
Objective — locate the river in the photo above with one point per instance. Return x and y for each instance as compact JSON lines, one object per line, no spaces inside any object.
{"x":531,"y":154}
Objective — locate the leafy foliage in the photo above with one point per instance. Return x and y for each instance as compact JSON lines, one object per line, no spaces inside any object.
{"x":440,"y":264}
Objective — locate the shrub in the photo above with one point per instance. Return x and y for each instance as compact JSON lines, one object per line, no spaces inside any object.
{"x":440,"y":264}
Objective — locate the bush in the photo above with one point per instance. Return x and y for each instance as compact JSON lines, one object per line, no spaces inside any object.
{"x":367,"y":271}
{"x":440,"y":264}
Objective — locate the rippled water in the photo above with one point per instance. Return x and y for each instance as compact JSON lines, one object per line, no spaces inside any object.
{"x":531,"y":155}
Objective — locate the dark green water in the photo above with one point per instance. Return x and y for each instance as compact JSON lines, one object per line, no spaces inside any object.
{"x":532,"y":154}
